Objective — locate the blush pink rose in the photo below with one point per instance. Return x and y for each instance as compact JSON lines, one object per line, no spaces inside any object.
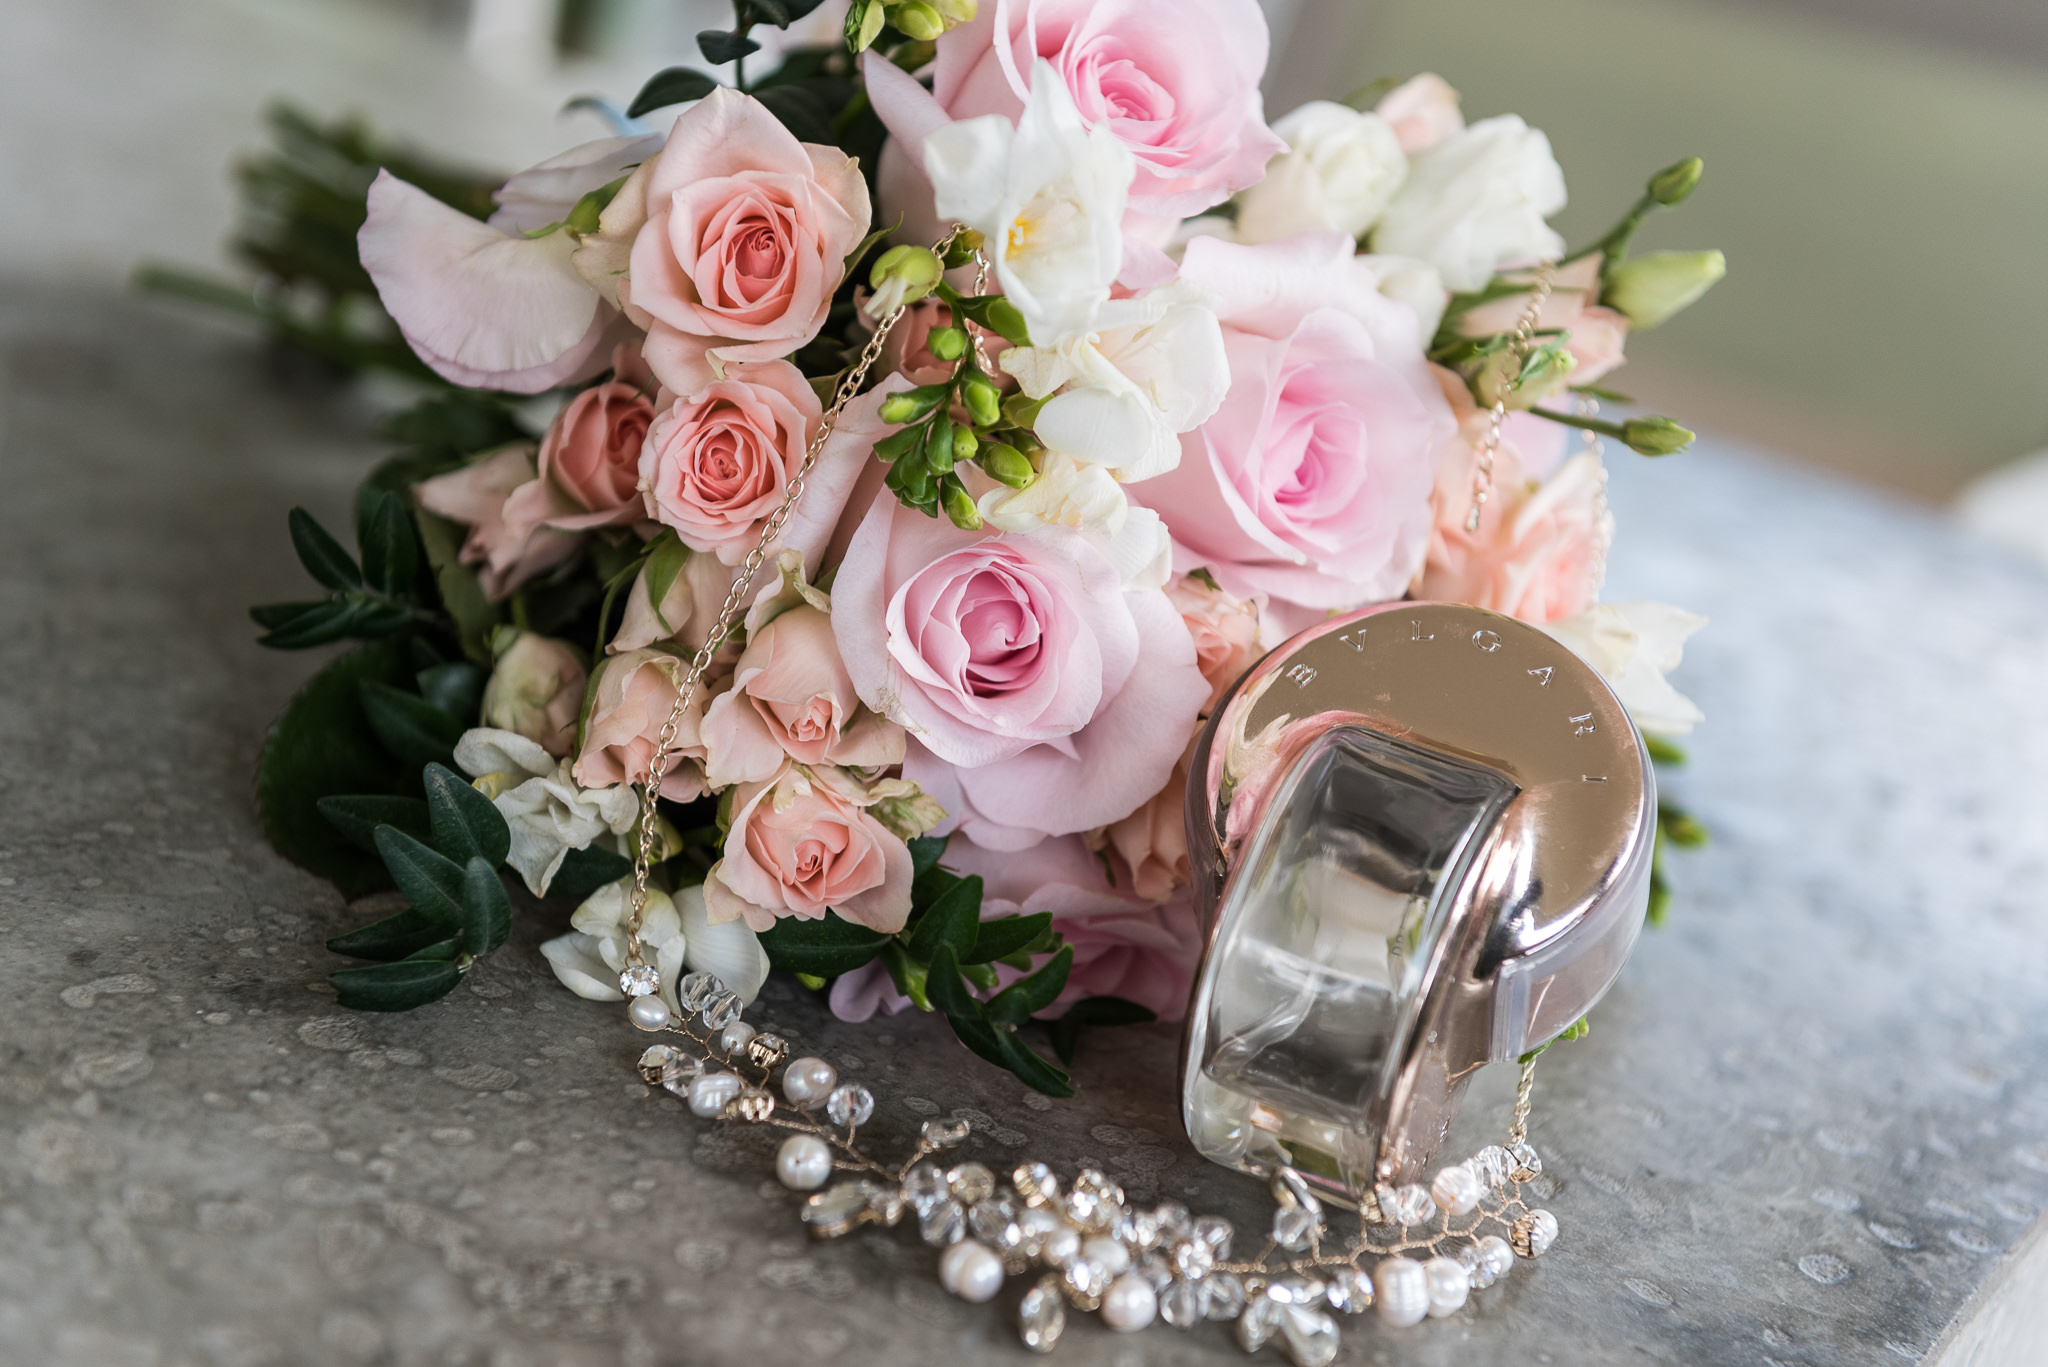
{"x":1422,"y":111}
{"x":1151,"y":844}
{"x":635,"y":693}
{"x":1225,"y":629}
{"x":1043,"y":698}
{"x":717,"y":460}
{"x":589,"y":466}
{"x":803,"y":844}
{"x":505,"y":553}
{"x":1310,"y":487}
{"x":791,"y":698}
{"x":744,"y":241}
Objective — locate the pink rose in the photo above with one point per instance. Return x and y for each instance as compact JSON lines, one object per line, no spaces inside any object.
{"x":745,"y":238}
{"x":506,"y":554}
{"x":686,"y":612}
{"x":589,"y":469}
{"x":1422,"y":111}
{"x":536,"y":690}
{"x":717,"y":460}
{"x":1152,"y":843}
{"x":635,"y":693}
{"x":1225,"y":631}
{"x":1310,"y":486}
{"x":1043,"y":698}
{"x":804,"y":843}
{"x":791,"y":698}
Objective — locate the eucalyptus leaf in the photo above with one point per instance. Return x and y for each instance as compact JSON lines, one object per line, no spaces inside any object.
{"x":465,"y":823}
{"x":397,"y":986}
{"x":1028,"y":996}
{"x":358,"y":815}
{"x":676,"y":85}
{"x":1066,"y":1031}
{"x":394,"y":937}
{"x":952,"y":920}
{"x":826,"y":947}
{"x":925,"y":851}
{"x":486,"y":910}
{"x":321,"y":554}
{"x":1005,"y":1050}
{"x":720,"y":46}
{"x":431,"y":882}
{"x":321,"y":624}
{"x":409,"y":726}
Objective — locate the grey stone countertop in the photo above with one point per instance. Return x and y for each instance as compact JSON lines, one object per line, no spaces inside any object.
{"x":1808,"y":1121}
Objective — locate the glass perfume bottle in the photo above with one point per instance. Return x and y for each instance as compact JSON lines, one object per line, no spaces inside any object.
{"x":1421,"y":838}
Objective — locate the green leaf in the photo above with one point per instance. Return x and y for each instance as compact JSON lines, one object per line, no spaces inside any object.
{"x":1006,"y":935}
{"x":431,"y":881}
{"x":318,"y":625}
{"x":322,"y":746}
{"x":946,"y":990}
{"x":462,"y":594}
{"x":826,"y":947}
{"x":391,"y":555}
{"x":1680,"y":827}
{"x":1663,"y":751}
{"x":394,"y":987}
{"x":720,"y":47}
{"x":908,"y":976}
{"x":272,"y":615}
{"x":665,"y":561}
{"x":924,"y":852}
{"x":1005,"y":1050}
{"x":862,"y":248}
{"x":586,"y":870}
{"x":466,"y":824}
{"x":486,"y":910}
{"x":456,"y":688}
{"x":950,"y":920}
{"x":1026,"y":997}
{"x":409,"y":726}
{"x":1066,"y":1031}
{"x":358,"y":815}
{"x":802,"y":110}
{"x":394,"y":937}
{"x":676,"y":85}
{"x":442,"y":951}
{"x":321,"y":554}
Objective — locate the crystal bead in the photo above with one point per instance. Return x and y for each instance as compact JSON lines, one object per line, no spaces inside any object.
{"x":1036,"y":1183}
{"x":722,"y":1010}
{"x":1180,"y":1304}
{"x":941,"y":1223}
{"x":851,"y":1104}
{"x":640,"y":980}
{"x":1296,"y":1290}
{"x":1495,"y":1257}
{"x":943,"y":1134}
{"x":1214,"y":1231}
{"x":767,"y":1051}
{"x":1533,"y":1234}
{"x":924,"y":1187}
{"x":1193,"y":1258}
{"x":971,"y":1183}
{"x":1042,"y":1316}
{"x":1155,"y":1270}
{"x":1174,"y":1224}
{"x":1527,"y":1166}
{"x":1310,"y":1336}
{"x":655,"y":1060}
{"x":1407,"y":1206}
{"x":1108,"y":1254}
{"x":1036,"y":1222}
{"x":1095,"y":1183}
{"x":1457,"y":1189}
{"x":1259,"y":1322}
{"x":837,"y":1210}
{"x":1350,"y":1291}
{"x":1493,"y":1165}
{"x":1138,"y":1228}
{"x":1448,"y":1285}
{"x":994,"y":1222}
{"x":1060,"y":1246}
{"x":1475,"y":1270}
{"x":1085,"y":1282}
{"x":1294,"y":1229}
{"x":887,"y":1205}
{"x":1401,"y":1291}
{"x":1222,"y":1296}
{"x":694,"y":989}
{"x":1290,"y":1188}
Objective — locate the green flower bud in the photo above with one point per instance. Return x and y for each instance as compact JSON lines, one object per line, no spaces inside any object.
{"x":1655,"y":436}
{"x":1007,"y":465}
{"x":1650,"y":289}
{"x":902,"y":275}
{"x":956,"y":12}
{"x":965,"y":444}
{"x":983,"y":400}
{"x":1672,"y":184}
{"x":1006,"y":321}
{"x":864,"y":23}
{"x":938,"y":444}
{"x":912,"y":404}
{"x":1020,"y":410}
{"x":960,"y":506}
{"x":948,"y":344}
{"x":896,"y":443}
{"x":914,"y":479}
{"x":916,"y":19}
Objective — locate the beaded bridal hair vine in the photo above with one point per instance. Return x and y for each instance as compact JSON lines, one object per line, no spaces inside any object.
{"x":1092,"y":1250}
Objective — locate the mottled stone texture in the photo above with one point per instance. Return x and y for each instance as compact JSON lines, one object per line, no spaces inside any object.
{"x":1807,"y":1121}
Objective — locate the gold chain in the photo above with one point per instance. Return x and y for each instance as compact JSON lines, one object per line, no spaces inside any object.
{"x":1518,"y":353}
{"x":647,"y":834}
{"x":1518,"y":1129}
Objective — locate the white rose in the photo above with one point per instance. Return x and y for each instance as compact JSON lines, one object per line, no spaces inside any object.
{"x":1342,"y":170}
{"x":1477,"y":201}
{"x":1634,"y":645}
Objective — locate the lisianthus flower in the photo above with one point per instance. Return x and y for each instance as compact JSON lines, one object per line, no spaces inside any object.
{"x":1477,"y":201}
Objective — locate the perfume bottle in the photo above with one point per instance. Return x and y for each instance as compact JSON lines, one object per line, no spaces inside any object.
{"x":1420,"y":837}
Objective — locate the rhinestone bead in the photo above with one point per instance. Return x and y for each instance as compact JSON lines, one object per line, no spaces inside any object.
{"x":640,"y":980}
{"x":1527,"y":1166}
{"x":1475,"y":1270}
{"x":767,"y":1051}
{"x":1401,"y":1292}
{"x":1180,"y":1304}
{"x":1493,"y":1165}
{"x":1350,"y":1291}
{"x":1042,"y":1316}
{"x":1138,"y":1228}
{"x":887,"y":1205}
{"x":1310,"y":1336}
{"x":1085,"y":1282}
{"x":1095,"y":1183}
{"x":1037,"y":1222}
{"x":971,"y":1183}
{"x":851,"y":1104}
{"x":695,"y":989}
{"x":722,"y":1010}
{"x":753,"y":1104}
{"x":1214,"y":1231}
{"x":837,"y":1210}
{"x":1495,"y":1257}
{"x":1448,"y":1285}
{"x":1296,"y":1290}
{"x":1193,"y":1259}
{"x":1533,"y":1234}
{"x":1294,"y":1229}
{"x":1457,"y":1189}
{"x":1155,"y":1270}
{"x":1222,"y":1296}
{"x":942,"y":1222}
{"x":924,"y":1187}
{"x":1060,"y":1246}
{"x":1036,"y":1183}
{"x":1174,"y":1223}
{"x":943,"y":1134}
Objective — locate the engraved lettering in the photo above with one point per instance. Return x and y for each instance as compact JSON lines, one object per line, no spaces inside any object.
{"x":1592,"y":778}
{"x":1582,"y":725}
{"x":1486,"y":641}
{"x":1542,"y":676}
{"x":1354,"y":638}
{"x":1416,"y":633}
{"x":1303,"y":675}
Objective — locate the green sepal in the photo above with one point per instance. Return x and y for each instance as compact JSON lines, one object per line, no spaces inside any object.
{"x":1026,"y":997}
{"x":358,"y":815}
{"x":409,"y":726}
{"x":466,"y":824}
{"x":393,"y":938}
{"x":1066,"y":1031}
{"x":431,"y":882}
{"x":586,"y":214}
{"x":395,"y":986}
{"x":1007,"y":935}
{"x":666,"y":556}
{"x":826,"y":947}
{"x":908,"y":977}
{"x":321,"y":554}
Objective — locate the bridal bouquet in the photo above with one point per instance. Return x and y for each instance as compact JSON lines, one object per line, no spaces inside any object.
{"x":1136,"y":386}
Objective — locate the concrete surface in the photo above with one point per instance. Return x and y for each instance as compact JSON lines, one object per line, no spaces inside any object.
{"x":1807,"y":1122}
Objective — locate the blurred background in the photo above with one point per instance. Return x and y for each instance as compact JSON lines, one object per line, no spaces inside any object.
{"x":1876,"y":173}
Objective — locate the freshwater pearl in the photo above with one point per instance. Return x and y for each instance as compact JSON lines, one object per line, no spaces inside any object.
{"x":808,"y":1081}
{"x":710,"y":1092}
{"x":1061,"y":1246}
{"x":803,"y":1163}
{"x":650,"y":1013}
{"x":1458,"y":1189}
{"x":1449,"y":1284}
{"x":1109,"y":1255}
{"x":1129,"y":1304}
{"x":1401,"y":1291}
{"x":972,"y":1271}
{"x":734,"y":1038}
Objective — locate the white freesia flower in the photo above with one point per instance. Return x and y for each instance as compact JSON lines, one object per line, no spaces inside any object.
{"x":674,"y":935}
{"x":1070,"y":493}
{"x":1048,"y":195}
{"x":1341,"y":170}
{"x":1122,"y":392}
{"x":729,"y":951}
{"x":1634,"y":645}
{"x":548,"y":813}
{"x":1477,"y":201}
